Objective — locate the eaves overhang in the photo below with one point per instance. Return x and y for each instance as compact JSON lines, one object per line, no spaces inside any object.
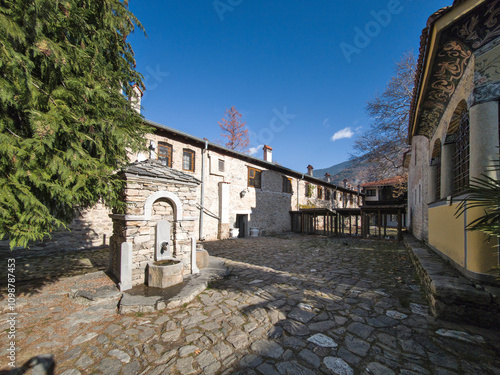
{"x":447,"y":44}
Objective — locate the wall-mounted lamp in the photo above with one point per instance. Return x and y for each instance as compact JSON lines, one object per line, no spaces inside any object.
{"x":243,"y":193}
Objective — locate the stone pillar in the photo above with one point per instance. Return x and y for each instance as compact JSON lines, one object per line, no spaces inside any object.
{"x":483,"y":142}
{"x":433,"y":182}
{"x":125,"y":266}
{"x":447,"y":168}
{"x":223,"y":210}
{"x":194,"y":266}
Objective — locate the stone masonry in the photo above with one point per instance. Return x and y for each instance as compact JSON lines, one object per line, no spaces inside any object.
{"x":154,"y":192}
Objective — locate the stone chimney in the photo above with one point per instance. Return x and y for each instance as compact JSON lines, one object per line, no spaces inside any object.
{"x":345,"y":182}
{"x":135,"y":98}
{"x":310,"y":169}
{"x":328,"y":177}
{"x":268,"y":153}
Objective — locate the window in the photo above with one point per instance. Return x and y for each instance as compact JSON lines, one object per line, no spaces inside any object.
{"x":328,"y":194}
{"x":371,"y":192}
{"x":165,"y":153}
{"x":320,"y":192}
{"x":254,"y":177}
{"x":461,"y":157}
{"x":287,"y":185}
{"x":222,"y":165}
{"x":309,"y":190}
{"x":335,"y":195}
{"x":188,"y":160}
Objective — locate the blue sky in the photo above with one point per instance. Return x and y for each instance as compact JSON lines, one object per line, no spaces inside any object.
{"x":299,"y":72}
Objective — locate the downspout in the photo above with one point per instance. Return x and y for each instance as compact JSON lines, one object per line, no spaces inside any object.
{"x":202,"y":199}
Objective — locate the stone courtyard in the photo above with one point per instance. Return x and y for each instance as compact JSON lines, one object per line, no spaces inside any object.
{"x":290,"y":305}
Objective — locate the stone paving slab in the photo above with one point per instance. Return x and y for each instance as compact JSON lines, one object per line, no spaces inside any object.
{"x":346,"y":287}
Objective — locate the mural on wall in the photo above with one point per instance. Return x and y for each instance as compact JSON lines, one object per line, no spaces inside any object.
{"x":477,"y":31}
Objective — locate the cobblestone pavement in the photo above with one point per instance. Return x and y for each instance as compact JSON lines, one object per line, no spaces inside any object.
{"x":291,"y":305}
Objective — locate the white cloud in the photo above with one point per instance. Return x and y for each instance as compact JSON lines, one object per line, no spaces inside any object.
{"x":344,"y":133}
{"x":325,"y":123}
{"x":254,"y":150}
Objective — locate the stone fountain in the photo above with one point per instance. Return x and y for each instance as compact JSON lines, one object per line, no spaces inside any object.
{"x":166,"y":270}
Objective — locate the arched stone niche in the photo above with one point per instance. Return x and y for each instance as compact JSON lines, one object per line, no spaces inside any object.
{"x":153,"y":192}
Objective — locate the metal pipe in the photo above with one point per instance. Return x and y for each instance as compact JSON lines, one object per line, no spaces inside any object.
{"x":202,"y":198}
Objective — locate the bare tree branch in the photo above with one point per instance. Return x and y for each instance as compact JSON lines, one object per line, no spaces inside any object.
{"x":386,"y":140}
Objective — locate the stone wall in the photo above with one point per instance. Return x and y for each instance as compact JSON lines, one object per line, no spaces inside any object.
{"x":418,"y":175}
{"x":141,"y":232}
{"x":266,"y":208}
{"x":90,"y":228}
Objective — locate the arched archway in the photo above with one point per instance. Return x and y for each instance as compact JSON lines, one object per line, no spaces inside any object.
{"x":171,"y":197}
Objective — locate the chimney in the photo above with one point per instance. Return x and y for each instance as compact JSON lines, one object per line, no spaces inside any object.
{"x":328,"y":177}
{"x":345,"y":182}
{"x":268,"y":153}
{"x":135,"y":98}
{"x":310,"y":169}
{"x":359,"y":188}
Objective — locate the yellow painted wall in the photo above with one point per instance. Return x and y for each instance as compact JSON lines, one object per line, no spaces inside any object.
{"x":446,"y":232}
{"x":482,"y":252}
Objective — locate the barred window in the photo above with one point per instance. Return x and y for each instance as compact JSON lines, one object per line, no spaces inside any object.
{"x":461,"y":157}
{"x":165,"y":153}
{"x":320,"y":192}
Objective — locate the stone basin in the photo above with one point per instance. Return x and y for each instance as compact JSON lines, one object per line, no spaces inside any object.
{"x":165,"y":273}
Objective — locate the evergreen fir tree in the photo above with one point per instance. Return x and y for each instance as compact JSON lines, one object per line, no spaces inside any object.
{"x":66,"y":70}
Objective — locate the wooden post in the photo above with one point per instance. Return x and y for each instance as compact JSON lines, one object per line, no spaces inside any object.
{"x":400,"y":229}
{"x":385,"y":225}
{"x":350,"y":225}
{"x":379,"y":224}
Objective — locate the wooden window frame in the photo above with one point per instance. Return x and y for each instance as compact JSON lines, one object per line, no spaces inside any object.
{"x":309,"y":190}
{"x":192,"y":162}
{"x":253,"y":181}
{"x":320,"y":192}
{"x":328,"y":194}
{"x":370,"y":191}
{"x":287,"y":185}
{"x":167,"y":157}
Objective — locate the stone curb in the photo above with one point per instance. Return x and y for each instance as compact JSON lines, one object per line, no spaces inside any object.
{"x":195,"y":285}
{"x":451,"y":295}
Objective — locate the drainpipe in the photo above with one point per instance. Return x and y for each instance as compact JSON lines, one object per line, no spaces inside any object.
{"x":202,"y":199}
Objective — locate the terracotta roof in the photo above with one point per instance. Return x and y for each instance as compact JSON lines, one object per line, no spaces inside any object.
{"x":386,"y":182}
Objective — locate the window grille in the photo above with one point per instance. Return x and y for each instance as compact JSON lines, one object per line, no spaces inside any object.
{"x":461,"y":157}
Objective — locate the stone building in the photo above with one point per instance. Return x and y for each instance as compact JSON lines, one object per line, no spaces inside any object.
{"x":454,"y":130}
{"x":239,"y":191}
